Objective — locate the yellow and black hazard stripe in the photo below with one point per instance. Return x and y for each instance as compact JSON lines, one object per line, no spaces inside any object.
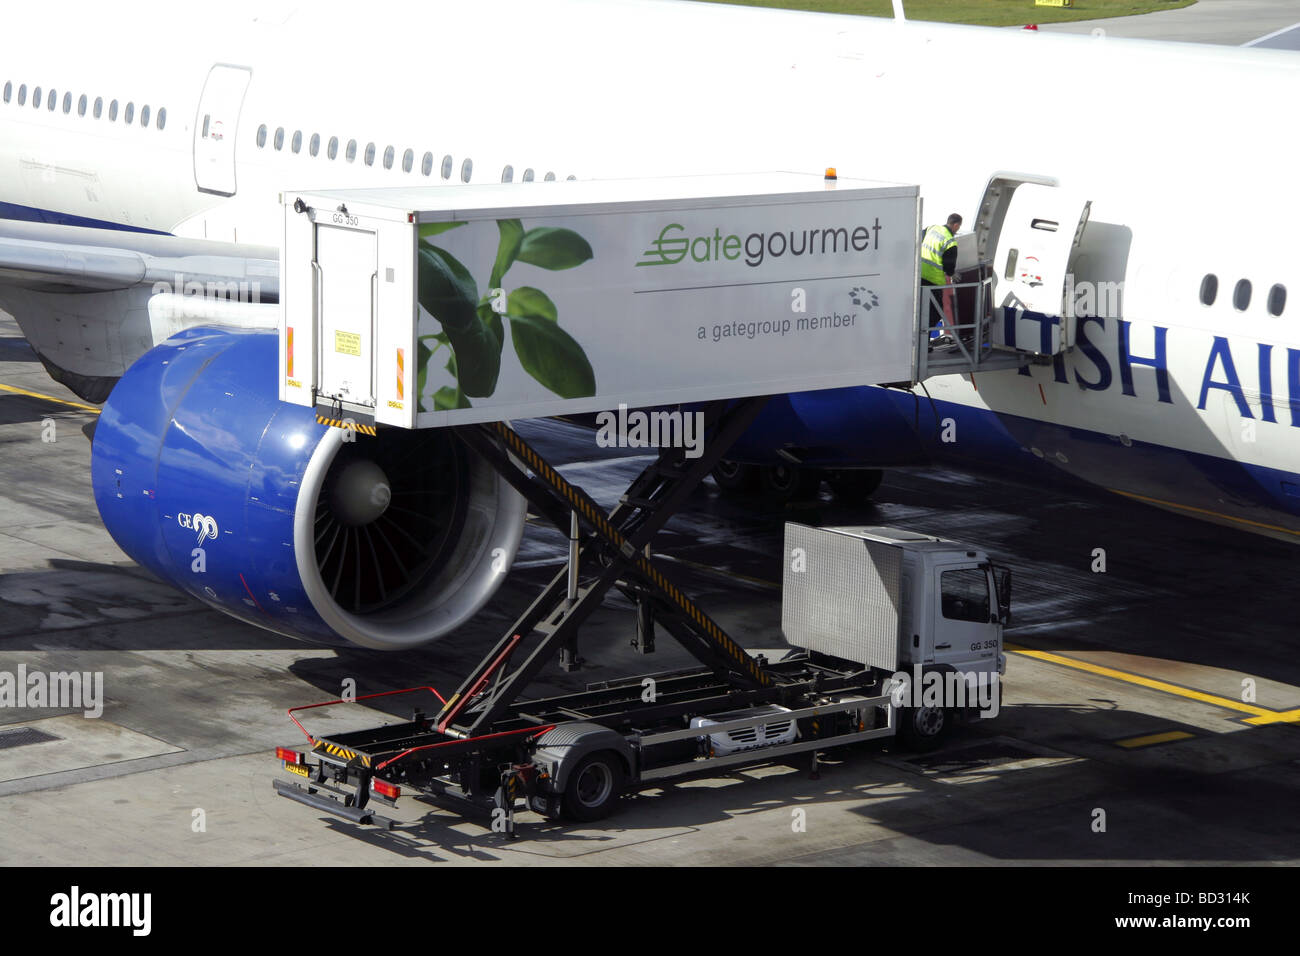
{"x":597,"y":518}
{"x":346,"y":423}
{"x":343,"y":752}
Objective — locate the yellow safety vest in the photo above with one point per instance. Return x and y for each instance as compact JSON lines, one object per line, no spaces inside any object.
{"x":937,"y":241}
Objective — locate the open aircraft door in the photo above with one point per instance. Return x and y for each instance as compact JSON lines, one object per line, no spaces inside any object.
{"x":214,"y":129}
{"x":1035,"y":246}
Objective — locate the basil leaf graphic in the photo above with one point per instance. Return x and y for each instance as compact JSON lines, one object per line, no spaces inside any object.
{"x":552,"y":248}
{"x":550,"y":355}
{"x":533,"y":302}
{"x":448,"y":293}
{"x":512,"y":237}
{"x":436,"y":228}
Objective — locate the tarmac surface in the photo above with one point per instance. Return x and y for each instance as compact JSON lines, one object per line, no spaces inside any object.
{"x":1229,"y":22}
{"x":1124,"y":737}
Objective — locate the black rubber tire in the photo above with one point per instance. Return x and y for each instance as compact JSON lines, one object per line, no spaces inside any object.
{"x":594,"y":787}
{"x":782,"y":483}
{"x":922,"y":729}
{"x":856,"y":485}
{"x":734,"y":478}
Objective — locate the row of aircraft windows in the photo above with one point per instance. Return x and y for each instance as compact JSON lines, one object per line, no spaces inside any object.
{"x":1241,"y":294}
{"x":51,"y":100}
{"x":390,"y":155}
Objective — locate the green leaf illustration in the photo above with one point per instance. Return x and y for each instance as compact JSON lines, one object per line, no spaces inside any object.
{"x":552,"y":248}
{"x":488,"y":316}
{"x":550,"y":355}
{"x":437,"y":228}
{"x":512,"y":237}
{"x":532,"y":302}
{"x":448,"y":293}
{"x":447,"y":398}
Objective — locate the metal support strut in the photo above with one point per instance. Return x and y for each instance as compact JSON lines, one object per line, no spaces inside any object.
{"x":606,"y":550}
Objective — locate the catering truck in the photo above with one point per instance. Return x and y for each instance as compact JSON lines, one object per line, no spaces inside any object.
{"x":891,"y":634}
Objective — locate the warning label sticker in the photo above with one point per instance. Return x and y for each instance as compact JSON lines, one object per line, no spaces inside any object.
{"x":349,"y":343}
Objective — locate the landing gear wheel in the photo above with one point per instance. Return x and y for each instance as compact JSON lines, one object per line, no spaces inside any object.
{"x":734,"y":478}
{"x":594,"y":786}
{"x":855,"y":485}
{"x":923,"y":729}
{"x":782,"y":483}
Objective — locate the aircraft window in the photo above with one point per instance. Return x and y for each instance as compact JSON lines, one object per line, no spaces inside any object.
{"x":36,"y":98}
{"x":67,"y":102}
{"x":550,"y":177}
{"x":22,"y":94}
{"x":370,"y":154}
{"x":389,"y":153}
{"x":297,"y":141}
{"x":144,"y":116}
{"x":99,"y":106}
{"x":426,"y":164}
{"x":1241,"y":295}
{"x":408,"y":160}
{"x":261,"y":136}
{"x":112,"y":111}
{"x":53,"y":99}
{"x":446,"y":167}
{"x":1276,"y":299}
{"x":1209,"y":289}
{"x":81,"y":105}
{"x":570,"y":178}
{"x":279,"y":138}
{"x":964,"y":595}
{"x":528,"y":175}
{"x":207,"y":121}
{"x":508,"y":174}
{"x":162,"y":116}
{"x":313,"y":145}
{"x":352,"y":150}
{"x":332,"y":150}
{"x":9,"y":90}
{"x":466,"y":170}
{"x":128,"y":114}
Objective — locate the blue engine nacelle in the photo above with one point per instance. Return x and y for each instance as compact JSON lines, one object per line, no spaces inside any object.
{"x":202,"y":476}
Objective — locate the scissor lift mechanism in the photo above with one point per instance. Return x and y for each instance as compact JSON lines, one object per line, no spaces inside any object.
{"x":476,"y":748}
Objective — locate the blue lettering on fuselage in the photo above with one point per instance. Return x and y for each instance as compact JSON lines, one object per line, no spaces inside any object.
{"x":1221,"y":353}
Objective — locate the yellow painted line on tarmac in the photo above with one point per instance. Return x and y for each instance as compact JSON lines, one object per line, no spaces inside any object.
{"x":49,"y":398}
{"x":1275,"y":717}
{"x":1205,"y":511}
{"x":1150,"y":740}
{"x":1259,"y":715}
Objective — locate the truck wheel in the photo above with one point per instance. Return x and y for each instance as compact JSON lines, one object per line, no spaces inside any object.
{"x":923,"y":728}
{"x":851,"y":486}
{"x":734,"y":478}
{"x":594,"y":786}
{"x":782,"y":483}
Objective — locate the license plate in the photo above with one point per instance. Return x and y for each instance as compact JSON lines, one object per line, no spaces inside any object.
{"x":300,"y":769}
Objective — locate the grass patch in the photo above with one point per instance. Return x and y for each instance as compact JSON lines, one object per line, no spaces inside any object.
{"x":992,"y":13}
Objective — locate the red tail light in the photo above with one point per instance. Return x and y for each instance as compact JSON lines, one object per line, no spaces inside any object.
{"x":290,"y":756}
{"x":389,"y":790}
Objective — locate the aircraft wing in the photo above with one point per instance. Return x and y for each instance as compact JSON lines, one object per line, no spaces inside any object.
{"x":44,"y":257}
{"x":1288,"y":38}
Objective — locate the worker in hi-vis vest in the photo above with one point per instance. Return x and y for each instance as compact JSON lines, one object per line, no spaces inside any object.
{"x":938,"y":263}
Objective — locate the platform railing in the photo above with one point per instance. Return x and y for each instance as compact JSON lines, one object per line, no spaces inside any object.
{"x":963,"y":342}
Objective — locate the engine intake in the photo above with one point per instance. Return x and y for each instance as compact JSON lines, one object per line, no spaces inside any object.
{"x":202,"y":476}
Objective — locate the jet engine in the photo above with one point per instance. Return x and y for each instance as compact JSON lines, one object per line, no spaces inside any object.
{"x":205,"y":478}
